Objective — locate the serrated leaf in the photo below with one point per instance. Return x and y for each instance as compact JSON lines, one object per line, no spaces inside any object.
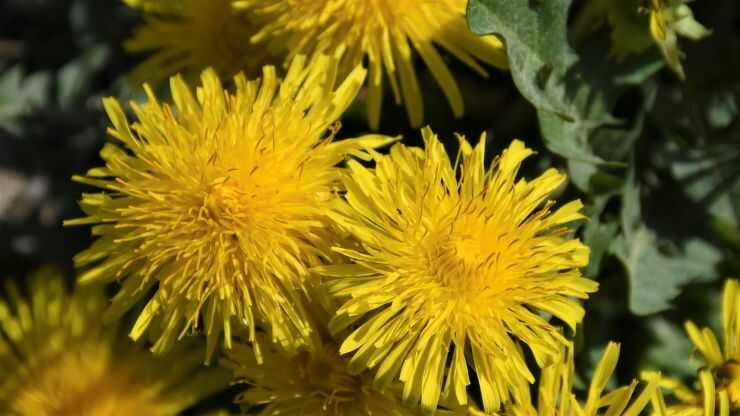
{"x":671,"y":350}
{"x":657,"y":278}
{"x":536,"y":42}
{"x":588,"y":178}
{"x":598,"y":237}
{"x":19,"y":96}
{"x":656,"y":270}
{"x":710,"y":175}
{"x":574,"y":95}
{"x":73,"y":80}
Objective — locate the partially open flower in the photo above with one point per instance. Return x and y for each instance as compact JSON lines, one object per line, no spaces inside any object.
{"x":720,"y":378}
{"x":668,"y":20}
{"x":556,"y":395}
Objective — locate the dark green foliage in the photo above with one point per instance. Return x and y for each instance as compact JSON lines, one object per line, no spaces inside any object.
{"x":657,"y":160}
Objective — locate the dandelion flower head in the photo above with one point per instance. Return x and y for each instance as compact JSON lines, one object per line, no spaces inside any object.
{"x":314,"y":382}
{"x":456,"y":262}
{"x":57,"y":359}
{"x":389,"y":34}
{"x":719,"y":379}
{"x":556,"y":395}
{"x":188,"y":36}
{"x":213,"y":208}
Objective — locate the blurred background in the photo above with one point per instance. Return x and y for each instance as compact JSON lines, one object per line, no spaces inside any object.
{"x":58,"y":58}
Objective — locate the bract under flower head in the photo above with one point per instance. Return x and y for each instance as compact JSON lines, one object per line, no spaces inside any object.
{"x":214,"y":208}
{"x":454,"y":270}
{"x":387,"y":33}
{"x":57,"y":359}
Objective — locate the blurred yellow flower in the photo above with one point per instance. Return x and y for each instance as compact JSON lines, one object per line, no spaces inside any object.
{"x":556,"y":396}
{"x":214,"y":208}
{"x":386,"y":33}
{"x":57,"y":359}
{"x":456,"y":263}
{"x":719,"y":379}
{"x":313,"y":383}
{"x":188,"y":36}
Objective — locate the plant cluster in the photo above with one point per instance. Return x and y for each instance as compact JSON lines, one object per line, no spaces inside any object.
{"x":250,"y":253}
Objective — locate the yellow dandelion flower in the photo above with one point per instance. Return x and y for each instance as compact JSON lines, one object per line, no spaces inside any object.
{"x":313,"y":383}
{"x":57,"y":359}
{"x":455,"y":270}
{"x":386,"y":33}
{"x":191,"y":35}
{"x":556,"y":396}
{"x":217,"y":204}
{"x":719,"y":379}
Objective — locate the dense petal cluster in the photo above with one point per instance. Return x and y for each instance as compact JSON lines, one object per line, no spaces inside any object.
{"x":313,"y":383}
{"x":455,"y":262}
{"x":719,"y":379}
{"x":213,"y":209}
{"x":556,"y":396}
{"x":388,"y":33}
{"x":188,"y":36}
{"x":57,"y":359}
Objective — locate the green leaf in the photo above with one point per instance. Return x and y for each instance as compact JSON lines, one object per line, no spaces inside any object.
{"x":599,"y":237}
{"x":672,"y":349}
{"x":709,"y":175}
{"x":655,"y":277}
{"x":536,"y":42}
{"x":74,"y":79}
{"x":574,"y":95}
{"x":19,"y":96}
{"x":722,"y":109}
{"x":631,"y":214}
{"x":568,"y":138}
{"x":540,"y":59}
{"x":656,"y":269}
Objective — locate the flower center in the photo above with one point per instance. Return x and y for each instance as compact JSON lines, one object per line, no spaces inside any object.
{"x":462,"y":257}
{"x":224,"y":200}
{"x":237,"y":203}
{"x":728,"y":378}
